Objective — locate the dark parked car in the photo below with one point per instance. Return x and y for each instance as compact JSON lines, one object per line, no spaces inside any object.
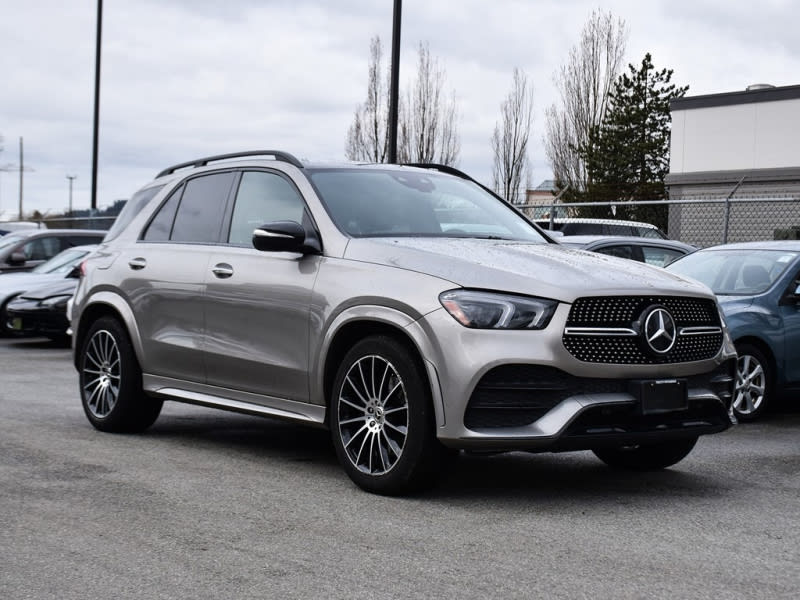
{"x":62,"y":266}
{"x":24,"y":250}
{"x":43,"y":310}
{"x":647,"y":250}
{"x":758,"y":287}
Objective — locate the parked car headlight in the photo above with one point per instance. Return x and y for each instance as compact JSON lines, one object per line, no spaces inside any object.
{"x":492,"y":310}
{"x":57,"y":302}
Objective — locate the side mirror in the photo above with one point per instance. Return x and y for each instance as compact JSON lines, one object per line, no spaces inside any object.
{"x":17,"y":259}
{"x":284,"y":236}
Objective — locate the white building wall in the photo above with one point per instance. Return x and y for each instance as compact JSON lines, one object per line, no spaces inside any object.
{"x":757,"y":135}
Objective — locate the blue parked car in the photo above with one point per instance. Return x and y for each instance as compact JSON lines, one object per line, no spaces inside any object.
{"x":758,"y":287}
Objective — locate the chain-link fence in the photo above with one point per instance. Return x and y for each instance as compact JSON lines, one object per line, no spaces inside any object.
{"x":700,"y":222}
{"x":98,"y":223}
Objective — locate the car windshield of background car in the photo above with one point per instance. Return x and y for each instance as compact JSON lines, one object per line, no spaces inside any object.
{"x":375,"y":203}
{"x":10,"y":240}
{"x":742,"y":272}
{"x":63,"y":262}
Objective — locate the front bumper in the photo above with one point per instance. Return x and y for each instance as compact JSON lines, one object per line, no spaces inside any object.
{"x":27,"y":317}
{"x":562,"y":403}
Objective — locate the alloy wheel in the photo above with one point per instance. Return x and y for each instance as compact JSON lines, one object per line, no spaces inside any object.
{"x":101,"y":373}
{"x":751,"y":385}
{"x":373,"y":415}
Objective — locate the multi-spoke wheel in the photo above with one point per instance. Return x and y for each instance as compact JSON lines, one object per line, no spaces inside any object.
{"x":373,"y":415}
{"x":382,"y":418}
{"x":111,"y":381}
{"x":646,"y":457}
{"x":753,"y":383}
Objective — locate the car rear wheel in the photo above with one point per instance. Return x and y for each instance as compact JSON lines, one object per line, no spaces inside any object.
{"x":646,"y":457}
{"x":382,"y":420}
{"x":111,"y":381}
{"x":753,"y":383}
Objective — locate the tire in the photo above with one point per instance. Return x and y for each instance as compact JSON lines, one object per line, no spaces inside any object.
{"x":753,"y":383}
{"x":382,"y":421}
{"x":646,"y":457}
{"x":111,"y":381}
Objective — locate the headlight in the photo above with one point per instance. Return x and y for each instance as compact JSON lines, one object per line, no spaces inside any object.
{"x":59,"y":302}
{"x":491,"y":310}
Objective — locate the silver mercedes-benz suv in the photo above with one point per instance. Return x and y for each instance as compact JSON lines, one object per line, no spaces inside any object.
{"x":406,"y":308}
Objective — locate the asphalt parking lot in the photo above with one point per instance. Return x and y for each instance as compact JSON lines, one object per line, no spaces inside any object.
{"x":216,"y":505}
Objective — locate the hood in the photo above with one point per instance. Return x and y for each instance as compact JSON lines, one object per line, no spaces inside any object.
{"x":63,"y":287}
{"x":546,"y":270}
{"x":731,"y":305}
{"x":12,"y":284}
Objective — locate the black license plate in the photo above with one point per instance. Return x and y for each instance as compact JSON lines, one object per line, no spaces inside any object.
{"x":661,"y":395}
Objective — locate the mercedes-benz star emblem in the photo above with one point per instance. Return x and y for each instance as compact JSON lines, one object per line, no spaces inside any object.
{"x":659,"y":330}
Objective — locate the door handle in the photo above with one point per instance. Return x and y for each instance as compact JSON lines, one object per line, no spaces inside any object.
{"x":222,"y":270}
{"x":137,"y":263}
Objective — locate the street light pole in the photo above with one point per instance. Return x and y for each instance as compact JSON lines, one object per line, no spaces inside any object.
{"x":71,"y":179}
{"x":96,"y":101}
{"x":21,"y":169}
{"x":395,"y":81}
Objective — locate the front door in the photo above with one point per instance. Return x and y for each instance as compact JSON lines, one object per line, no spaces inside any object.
{"x":257,"y":303}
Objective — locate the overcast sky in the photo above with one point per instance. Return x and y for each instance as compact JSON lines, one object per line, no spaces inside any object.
{"x":182,"y":79}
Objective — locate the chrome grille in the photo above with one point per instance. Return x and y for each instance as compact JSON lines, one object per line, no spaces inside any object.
{"x":594,"y":326}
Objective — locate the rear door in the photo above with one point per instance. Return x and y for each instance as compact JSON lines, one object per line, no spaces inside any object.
{"x":165,"y":272}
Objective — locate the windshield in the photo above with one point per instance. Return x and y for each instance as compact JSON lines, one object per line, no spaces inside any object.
{"x":735,"y":272}
{"x":373,"y":202}
{"x":63,"y":262}
{"x":10,"y":240}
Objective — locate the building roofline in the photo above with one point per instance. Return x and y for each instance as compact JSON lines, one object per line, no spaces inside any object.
{"x":749,"y":175}
{"x":770,"y":94}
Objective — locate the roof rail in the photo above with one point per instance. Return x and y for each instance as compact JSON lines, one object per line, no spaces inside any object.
{"x":453,"y":171}
{"x":202,"y":162}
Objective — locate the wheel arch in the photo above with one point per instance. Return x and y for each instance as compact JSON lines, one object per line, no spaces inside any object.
{"x":765,"y":349}
{"x":105,"y":304}
{"x":360,"y":325}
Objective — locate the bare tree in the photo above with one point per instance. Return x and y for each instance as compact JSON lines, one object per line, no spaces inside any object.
{"x":510,"y":140}
{"x":428,"y":131}
{"x":584,"y":83}
{"x":428,"y":122}
{"x":368,"y":136}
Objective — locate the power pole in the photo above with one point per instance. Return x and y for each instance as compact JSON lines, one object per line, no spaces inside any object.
{"x":71,"y":179}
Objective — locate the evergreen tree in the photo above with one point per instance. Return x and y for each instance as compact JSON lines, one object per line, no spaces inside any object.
{"x":627,"y":156}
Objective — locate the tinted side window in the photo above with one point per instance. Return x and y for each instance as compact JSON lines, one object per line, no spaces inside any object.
{"x":131,"y":209}
{"x":201,"y":209}
{"x":579,"y":229}
{"x":262,"y":198}
{"x":80,"y":240}
{"x":42,"y":248}
{"x":620,"y":251}
{"x":659,"y":257}
{"x":161,"y":226}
